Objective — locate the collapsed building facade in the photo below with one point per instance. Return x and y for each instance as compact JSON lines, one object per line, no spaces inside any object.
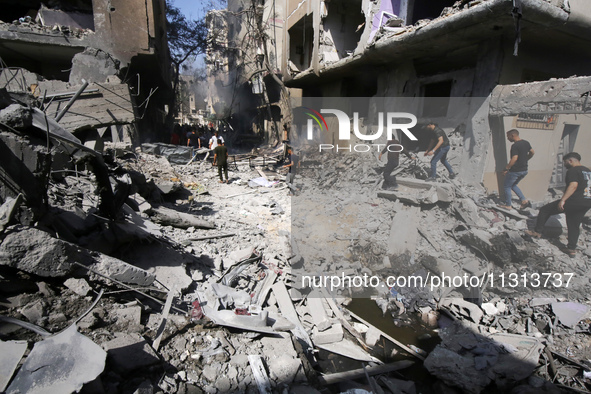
{"x":243,"y":67}
{"x":118,"y":47}
{"x":448,"y":50}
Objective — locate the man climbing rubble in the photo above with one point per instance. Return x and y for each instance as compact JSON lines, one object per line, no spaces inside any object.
{"x":516,"y":169}
{"x":438,"y":147}
{"x":393,"y":148}
{"x":575,"y":202}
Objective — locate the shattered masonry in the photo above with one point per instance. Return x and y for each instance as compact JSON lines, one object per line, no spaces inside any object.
{"x":128,"y":268}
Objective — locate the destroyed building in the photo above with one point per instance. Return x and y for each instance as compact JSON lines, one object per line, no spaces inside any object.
{"x":449,"y":50}
{"x":118,"y":47}
{"x":243,"y":67}
{"x":135,"y":270}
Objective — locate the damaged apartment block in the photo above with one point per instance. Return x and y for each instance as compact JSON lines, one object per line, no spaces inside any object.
{"x":118,"y":47}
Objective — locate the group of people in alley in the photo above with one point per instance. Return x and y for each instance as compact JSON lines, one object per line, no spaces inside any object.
{"x":574,"y":203}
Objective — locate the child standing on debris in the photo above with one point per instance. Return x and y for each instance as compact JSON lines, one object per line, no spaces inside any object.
{"x":438,"y":147}
{"x":516,"y":169}
{"x":220,"y":157}
{"x":393,"y":148}
{"x":575,"y":202}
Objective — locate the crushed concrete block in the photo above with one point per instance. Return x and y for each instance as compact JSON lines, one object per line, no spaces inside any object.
{"x":456,"y":370}
{"x":468,"y":211}
{"x":331,"y":335}
{"x":78,"y":286}
{"x":489,"y":309}
{"x":120,"y":270}
{"x":463,"y":308}
{"x":16,"y":116}
{"x":403,"y":233}
{"x":129,"y":319}
{"x":285,"y":368}
{"x":317,"y":311}
{"x":372,"y":336}
{"x":34,"y":312}
{"x":36,"y":252}
{"x":129,"y":352}
{"x":569,"y":313}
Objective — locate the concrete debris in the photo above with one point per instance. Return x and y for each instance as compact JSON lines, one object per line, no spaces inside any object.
{"x":11,"y":353}
{"x":569,"y":313}
{"x":130,"y":352}
{"x":60,"y":363}
{"x":188,"y":311}
{"x":78,"y":286}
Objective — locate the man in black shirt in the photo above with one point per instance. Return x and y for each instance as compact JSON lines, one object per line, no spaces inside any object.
{"x":438,"y":147}
{"x":393,"y":148}
{"x":516,"y":169}
{"x":575,"y":202}
{"x":291,"y":162}
{"x":220,"y":157}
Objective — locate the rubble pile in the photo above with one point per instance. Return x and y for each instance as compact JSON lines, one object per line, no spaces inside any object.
{"x":507,"y":325}
{"x":157,"y":277}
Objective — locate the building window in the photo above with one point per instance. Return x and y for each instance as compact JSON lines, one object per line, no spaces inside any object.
{"x":436,"y":99}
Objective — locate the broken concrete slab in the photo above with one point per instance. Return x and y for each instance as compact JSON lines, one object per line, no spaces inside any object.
{"x":372,"y":336}
{"x":78,"y":286}
{"x":60,"y":363}
{"x":403,"y":233}
{"x":468,"y":211}
{"x":8,"y":210}
{"x":445,"y":191}
{"x":331,"y":335}
{"x":11,"y":353}
{"x":348,"y":349}
{"x":569,"y":313}
{"x":463,"y":308}
{"x":128,"y":319}
{"x":170,"y":217}
{"x":129,"y":352}
{"x":456,"y":370}
{"x":36,"y":252}
{"x":259,"y":373}
{"x":316,"y":307}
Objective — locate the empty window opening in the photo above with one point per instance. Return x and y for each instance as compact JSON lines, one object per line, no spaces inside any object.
{"x":428,"y":9}
{"x":76,"y":14}
{"x":436,"y":99}
{"x":301,"y":40}
{"x":342,"y":27}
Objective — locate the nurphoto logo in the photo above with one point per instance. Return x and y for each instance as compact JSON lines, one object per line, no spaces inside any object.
{"x":390,"y":122}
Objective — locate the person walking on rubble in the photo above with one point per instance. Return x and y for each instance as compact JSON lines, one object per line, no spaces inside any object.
{"x":575,"y":202}
{"x":291,"y":162}
{"x":393,"y":148}
{"x":516,"y":169}
{"x":438,"y":147}
{"x":220,"y":157}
